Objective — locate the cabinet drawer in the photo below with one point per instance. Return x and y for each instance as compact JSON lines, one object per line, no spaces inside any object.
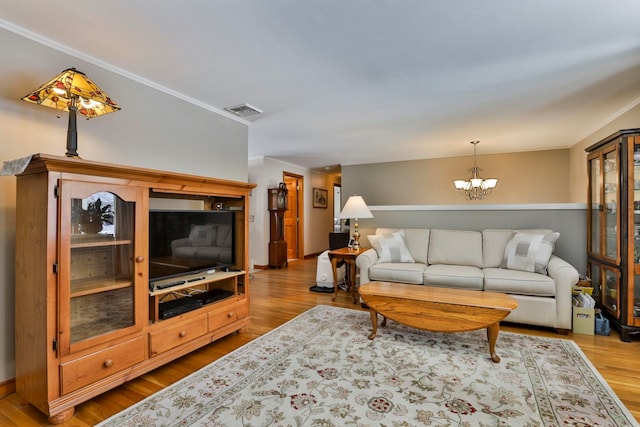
{"x":95,"y":366}
{"x":173,"y":336}
{"x":227,"y":315}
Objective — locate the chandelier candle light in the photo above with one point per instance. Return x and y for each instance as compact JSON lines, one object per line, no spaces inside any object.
{"x":74,"y":92}
{"x":476,"y":187}
{"x":355,"y":208}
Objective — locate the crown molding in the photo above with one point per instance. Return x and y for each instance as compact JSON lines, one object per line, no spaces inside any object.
{"x":23,"y":32}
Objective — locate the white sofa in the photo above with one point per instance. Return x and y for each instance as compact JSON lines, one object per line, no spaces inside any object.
{"x":491,"y":260}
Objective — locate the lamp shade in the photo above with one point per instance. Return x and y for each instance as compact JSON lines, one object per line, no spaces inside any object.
{"x":355,"y":208}
{"x":70,"y":86}
{"x":72,"y":91}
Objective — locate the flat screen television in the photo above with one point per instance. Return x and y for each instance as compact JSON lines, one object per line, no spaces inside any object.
{"x":184,"y":242}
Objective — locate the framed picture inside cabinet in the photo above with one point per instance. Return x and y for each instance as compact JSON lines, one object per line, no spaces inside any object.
{"x":320,"y":197}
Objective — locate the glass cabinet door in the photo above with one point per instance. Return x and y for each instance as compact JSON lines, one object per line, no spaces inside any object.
{"x":595,"y":273}
{"x":100,"y":259}
{"x":596,"y":204}
{"x":611,"y":214}
{"x":610,"y":290}
{"x":634,"y":310}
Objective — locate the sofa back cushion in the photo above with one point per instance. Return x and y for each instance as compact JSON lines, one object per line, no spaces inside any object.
{"x":223,"y":238}
{"x":455,"y":247}
{"x":494,"y":243}
{"x":417,"y":240}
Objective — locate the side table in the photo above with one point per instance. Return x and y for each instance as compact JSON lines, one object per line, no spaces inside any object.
{"x":349,"y":256}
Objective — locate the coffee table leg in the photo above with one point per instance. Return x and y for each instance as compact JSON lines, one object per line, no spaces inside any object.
{"x":374,"y":321}
{"x":492,"y":336}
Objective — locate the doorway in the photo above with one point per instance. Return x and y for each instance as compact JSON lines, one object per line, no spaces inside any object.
{"x":293,"y":217}
{"x":337,"y":206}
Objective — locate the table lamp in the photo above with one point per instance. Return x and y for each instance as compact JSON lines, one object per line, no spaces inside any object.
{"x":74,"y":92}
{"x":355,"y":208}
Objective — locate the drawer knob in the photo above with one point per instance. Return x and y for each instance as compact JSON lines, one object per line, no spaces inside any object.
{"x":183,"y":334}
{"x":108,"y":363}
{"x":230,"y":315}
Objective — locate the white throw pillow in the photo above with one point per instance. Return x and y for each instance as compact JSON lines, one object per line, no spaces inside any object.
{"x":529,"y":252}
{"x":391,"y":247}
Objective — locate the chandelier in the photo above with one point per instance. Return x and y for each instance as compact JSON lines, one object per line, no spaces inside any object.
{"x":476,"y":187}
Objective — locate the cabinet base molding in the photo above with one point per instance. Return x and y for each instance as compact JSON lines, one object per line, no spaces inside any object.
{"x":625,"y":331}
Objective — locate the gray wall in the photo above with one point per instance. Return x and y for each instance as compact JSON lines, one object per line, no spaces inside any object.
{"x":154,"y":130}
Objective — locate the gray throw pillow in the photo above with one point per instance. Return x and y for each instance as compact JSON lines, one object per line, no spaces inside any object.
{"x":529,"y":252}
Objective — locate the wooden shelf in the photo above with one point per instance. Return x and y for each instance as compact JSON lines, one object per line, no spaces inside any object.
{"x":208,"y":278}
{"x":85,"y":287}
{"x":92,"y":242}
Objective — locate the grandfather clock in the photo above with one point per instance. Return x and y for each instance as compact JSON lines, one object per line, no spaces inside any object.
{"x":277,"y":244}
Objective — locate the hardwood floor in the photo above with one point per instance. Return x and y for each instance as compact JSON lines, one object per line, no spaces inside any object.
{"x":278,"y":296}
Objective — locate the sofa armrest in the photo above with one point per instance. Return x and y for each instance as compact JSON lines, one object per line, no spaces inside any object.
{"x":565,"y":276}
{"x":178,"y":243}
{"x":364,"y":261}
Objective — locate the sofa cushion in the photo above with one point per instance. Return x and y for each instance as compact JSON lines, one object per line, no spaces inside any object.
{"x":453,"y":276}
{"x":518,"y":282}
{"x":391,"y":247}
{"x":454,"y":247}
{"x":213,"y":253}
{"x":529,"y":252}
{"x":186,"y":252}
{"x":397,"y":272}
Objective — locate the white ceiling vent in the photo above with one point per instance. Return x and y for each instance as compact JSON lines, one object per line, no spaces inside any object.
{"x":244,"y":110}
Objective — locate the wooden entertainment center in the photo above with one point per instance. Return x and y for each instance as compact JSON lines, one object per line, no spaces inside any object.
{"x":87,"y":318}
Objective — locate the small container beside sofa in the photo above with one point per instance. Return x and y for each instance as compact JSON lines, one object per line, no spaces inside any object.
{"x":520,"y":263}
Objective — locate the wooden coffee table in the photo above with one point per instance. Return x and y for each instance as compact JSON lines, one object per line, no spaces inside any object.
{"x":438,"y":309}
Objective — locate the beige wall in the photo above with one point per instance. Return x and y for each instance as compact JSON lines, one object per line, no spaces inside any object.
{"x":318,"y":222}
{"x":527,"y":177}
{"x":578,"y":157}
{"x":153,"y":130}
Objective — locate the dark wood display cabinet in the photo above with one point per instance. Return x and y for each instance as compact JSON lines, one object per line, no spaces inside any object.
{"x":277,"y":204}
{"x":613,"y":235}
{"x":88,"y":314}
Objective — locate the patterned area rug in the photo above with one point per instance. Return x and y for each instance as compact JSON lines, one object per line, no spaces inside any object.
{"x":320,"y":369}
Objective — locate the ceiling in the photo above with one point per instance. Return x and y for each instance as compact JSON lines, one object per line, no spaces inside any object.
{"x":367,"y":81}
